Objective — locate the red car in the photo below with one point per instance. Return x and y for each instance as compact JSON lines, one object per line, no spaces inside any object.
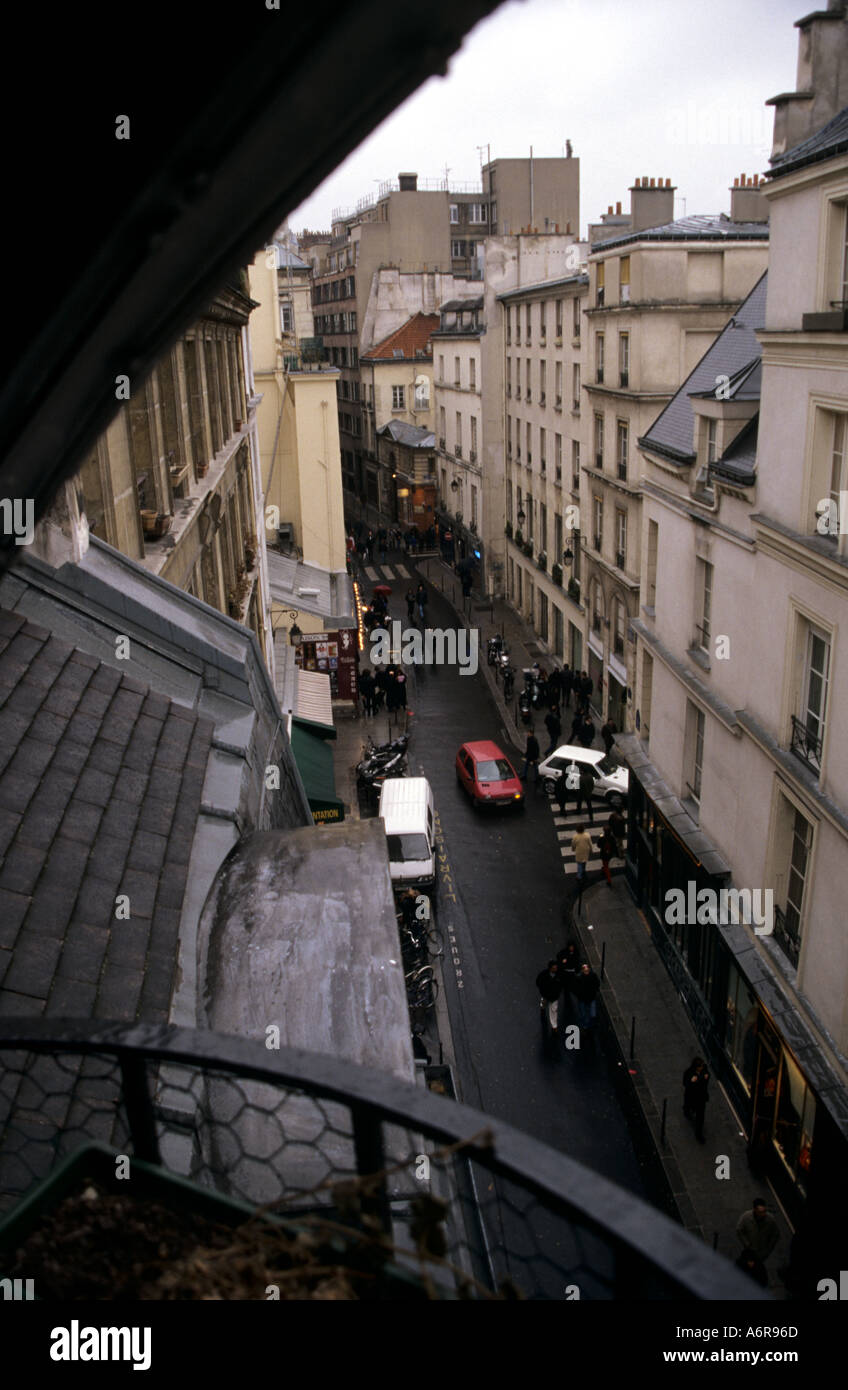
{"x":488,"y":776}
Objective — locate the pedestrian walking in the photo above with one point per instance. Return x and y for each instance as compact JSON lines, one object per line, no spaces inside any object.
{"x":608,"y":732}
{"x":566,"y":681}
{"x":586,"y":732}
{"x":369,"y":546}
{"x":581,"y":848}
{"x":421,"y":600}
{"x":576,"y":725}
{"x":617,"y":828}
{"x":410,"y":604}
{"x":585,"y":792}
{"x":757,"y":1231}
{"x":531,"y":756}
{"x":366,"y":689}
{"x":587,"y":685}
{"x":549,"y":985}
{"x":400,"y":681}
{"x":696,"y":1080}
{"x":606,"y":845}
{"x":569,"y":966}
{"x":561,"y":792}
{"x":586,"y":989}
{"x":554,"y":689}
{"x":554,"y":729}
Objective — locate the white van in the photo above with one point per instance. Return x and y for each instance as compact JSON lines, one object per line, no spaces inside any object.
{"x":406,"y":809}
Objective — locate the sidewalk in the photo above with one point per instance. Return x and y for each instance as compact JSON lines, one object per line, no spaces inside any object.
{"x":710,"y":1194}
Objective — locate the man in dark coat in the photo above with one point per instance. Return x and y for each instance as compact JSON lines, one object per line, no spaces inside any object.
{"x":554,"y":729}
{"x":366,"y":689}
{"x":585,"y":793}
{"x":608,"y":732}
{"x":696,"y":1080}
{"x":566,"y":681}
{"x":531,"y":755}
{"x":586,"y":988}
{"x":586,"y":732}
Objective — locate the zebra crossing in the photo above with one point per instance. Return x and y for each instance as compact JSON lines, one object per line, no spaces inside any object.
{"x":566,"y":828}
{"x":379,"y":574}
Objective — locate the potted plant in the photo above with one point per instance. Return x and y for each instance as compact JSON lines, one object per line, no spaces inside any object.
{"x":154,"y":524}
{"x":574,"y":589}
{"x":201,"y":469}
{"x":251,"y":549}
{"x":519,"y":538}
{"x":542,"y":560}
{"x":528,"y":549}
{"x":556,"y":574}
{"x":233,"y":605}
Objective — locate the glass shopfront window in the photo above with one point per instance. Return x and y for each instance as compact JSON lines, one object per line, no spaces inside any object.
{"x":794,"y":1118}
{"x":740,"y":1028}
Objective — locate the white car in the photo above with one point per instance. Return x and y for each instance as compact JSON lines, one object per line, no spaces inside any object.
{"x":610,"y":778}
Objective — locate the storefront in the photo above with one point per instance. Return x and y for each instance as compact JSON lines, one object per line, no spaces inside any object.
{"x":756,"y":1043}
{"x":617,"y":693}
{"x":595,"y":667}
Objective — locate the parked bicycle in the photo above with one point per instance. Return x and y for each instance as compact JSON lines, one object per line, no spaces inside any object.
{"x":422,"y":987}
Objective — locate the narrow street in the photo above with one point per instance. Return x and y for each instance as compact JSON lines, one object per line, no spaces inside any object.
{"x":501,"y":890}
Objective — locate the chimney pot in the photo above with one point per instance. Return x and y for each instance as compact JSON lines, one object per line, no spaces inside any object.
{"x":652,"y":183}
{"x":618,"y":209}
{"x":609,"y":210}
{"x":644,"y":180}
{"x":668,"y":183}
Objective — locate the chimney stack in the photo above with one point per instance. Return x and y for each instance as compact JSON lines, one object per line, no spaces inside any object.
{"x":651,"y":203}
{"x":747,"y":203}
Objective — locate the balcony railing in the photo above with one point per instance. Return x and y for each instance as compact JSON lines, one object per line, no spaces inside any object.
{"x":288,"y":1126}
{"x":806,"y":745}
{"x":622,"y":471}
{"x":619,"y":559}
{"x":442,"y":442}
{"x":787,"y":937}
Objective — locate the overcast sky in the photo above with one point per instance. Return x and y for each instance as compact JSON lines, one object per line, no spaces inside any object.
{"x":668,"y":88}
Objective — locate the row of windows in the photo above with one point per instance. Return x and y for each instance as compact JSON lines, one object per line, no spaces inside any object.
{"x":458,"y":435}
{"x":522,"y":386}
{"x":334,"y":289}
{"x":471,"y":383}
{"x":623,"y":280}
{"x":622,"y":445}
{"x":534,"y":526}
{"x":623,"y":358}
{"x":342,"y":356}
{"x":335,"y":323}
{"x":473,"y":212}
{"x":539,"y":316}
{"x":520,"y":438}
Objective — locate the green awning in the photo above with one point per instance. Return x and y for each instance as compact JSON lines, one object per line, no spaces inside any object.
{"x":315,"y":764}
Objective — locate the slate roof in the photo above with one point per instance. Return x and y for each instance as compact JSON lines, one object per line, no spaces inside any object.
{"x":736,"y":354}
{"x":454,"y":305}
{"x":415,"y":436}
{"x":411,"y":340}
{"x":832,"y":139}
{"x":100,"y":790}
{"x":333,"y":602}
{"x":698,"y":227}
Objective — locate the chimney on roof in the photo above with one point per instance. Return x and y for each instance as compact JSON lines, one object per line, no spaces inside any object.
{"x":747,"y":203}
{"x":651,"y":203}
{"x":408,"y":183}
{"x":618,"y":209}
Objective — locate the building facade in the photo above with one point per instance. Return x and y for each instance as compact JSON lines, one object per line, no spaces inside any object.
{"x":174,"y":480}
{"x":739,"y":778}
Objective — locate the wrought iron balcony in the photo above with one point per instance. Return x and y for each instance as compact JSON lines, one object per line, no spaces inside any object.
{"x":806,"y":745}
{"x":788,"y":937}
{"x":286,"y":1128}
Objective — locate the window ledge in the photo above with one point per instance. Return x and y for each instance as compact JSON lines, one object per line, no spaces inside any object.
{"x":700,"y":658}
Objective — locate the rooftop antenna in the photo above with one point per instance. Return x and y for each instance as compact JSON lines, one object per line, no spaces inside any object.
{"x":447,"y":171}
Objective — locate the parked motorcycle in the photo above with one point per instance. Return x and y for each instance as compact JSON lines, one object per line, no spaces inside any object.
{"x":524,"y":706}
{"x":374,"y":750}
{"x":508,"y":680}
{"x":494,"y":647}
{"x":372,"y":771}
{"x":531,"y":686}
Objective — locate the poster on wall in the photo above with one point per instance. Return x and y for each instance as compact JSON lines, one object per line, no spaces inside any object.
{"x":335,"y":655}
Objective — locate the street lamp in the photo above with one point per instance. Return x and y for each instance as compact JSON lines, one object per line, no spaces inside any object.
{"x":455,"y":485}
{"x":568,"y":555}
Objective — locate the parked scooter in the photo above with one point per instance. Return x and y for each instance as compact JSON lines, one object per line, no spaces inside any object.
{"x":531,"y":685}
{"x":508,"y":680}
{"x":524,"y":707}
